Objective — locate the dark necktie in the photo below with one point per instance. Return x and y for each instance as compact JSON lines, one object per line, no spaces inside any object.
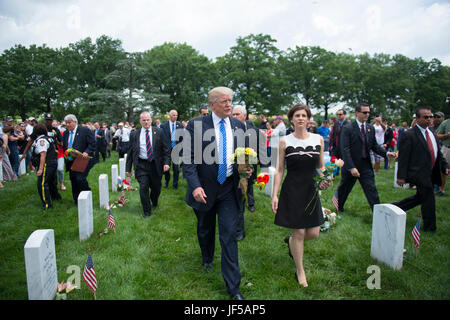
{"x":149,"y":146}
{"x":363,"y":134}
{"x":430,"y":146}
{"x":222,"y":174}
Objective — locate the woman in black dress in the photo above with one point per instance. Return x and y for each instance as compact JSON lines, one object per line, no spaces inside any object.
{"x":298,"y":207}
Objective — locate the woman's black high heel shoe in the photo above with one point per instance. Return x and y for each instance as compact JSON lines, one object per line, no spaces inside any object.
{"x":287,"y":241}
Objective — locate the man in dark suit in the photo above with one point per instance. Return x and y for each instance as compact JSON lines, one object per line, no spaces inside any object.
{"x":335,"y":134}
{"x":81,"y":139}
{"x":100,"y":141}
{"x":170,"y":128}
{"x":240,"y":113}
{"x":150,"y":155}
{"x":357,"y":139}
{"x":213,"y":183}
{"x":421,"y":163}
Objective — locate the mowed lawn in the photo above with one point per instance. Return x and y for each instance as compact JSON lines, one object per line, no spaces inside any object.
{"x":159,"y":257}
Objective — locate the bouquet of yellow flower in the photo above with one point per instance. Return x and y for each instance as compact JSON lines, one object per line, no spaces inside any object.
{"x":244,"y":157}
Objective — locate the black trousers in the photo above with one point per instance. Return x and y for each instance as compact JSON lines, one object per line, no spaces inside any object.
{"x":176,"y":174}
{"x":47,"y":184}
{"x":226,"y":208}
{"x":79,"y":183}
{"x":425,"y":198}
{"x":122,"y":148}
{"x":147,"y":176}
{"x":367,"y":182}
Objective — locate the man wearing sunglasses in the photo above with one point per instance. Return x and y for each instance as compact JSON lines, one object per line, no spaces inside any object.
{"x":421,"y":163}
{"x":357,"y":140}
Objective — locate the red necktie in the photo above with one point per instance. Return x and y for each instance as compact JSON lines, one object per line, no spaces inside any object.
{"x":430,"y":146}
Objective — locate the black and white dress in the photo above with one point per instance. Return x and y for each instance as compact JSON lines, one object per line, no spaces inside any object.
{"x":299,"y":204}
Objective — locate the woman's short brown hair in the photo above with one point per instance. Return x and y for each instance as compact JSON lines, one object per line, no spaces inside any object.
{"x":40,"y":129}
{"x":298,"y":107}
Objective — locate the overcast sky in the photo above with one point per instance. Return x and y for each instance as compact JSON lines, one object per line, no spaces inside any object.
{"x":415,"y":28}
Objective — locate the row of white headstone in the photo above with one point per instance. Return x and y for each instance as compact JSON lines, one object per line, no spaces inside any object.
{"x":39,"y":249}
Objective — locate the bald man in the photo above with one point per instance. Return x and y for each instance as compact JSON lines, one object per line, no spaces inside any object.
{"x":169,"y":129}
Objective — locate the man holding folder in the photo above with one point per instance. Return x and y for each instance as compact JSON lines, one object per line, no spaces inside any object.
{"x":81,"y":139}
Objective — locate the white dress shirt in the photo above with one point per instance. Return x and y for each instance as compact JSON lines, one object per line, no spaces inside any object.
{"x":143,"y":143}
{"x":229,"y":133}
{"x":433,"y":140}
{"x":123,"y":134}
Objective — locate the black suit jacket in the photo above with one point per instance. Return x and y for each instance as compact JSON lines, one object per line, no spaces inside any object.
{"x":351,"y":144}
{"x":205,"y":175}
{"x":335,"y":136}
{"x":160,"y":149}
{"x":101,"y":142}
{"x":414,"y":159}
{"x":166,"y":129}
{"x":84,"y":141}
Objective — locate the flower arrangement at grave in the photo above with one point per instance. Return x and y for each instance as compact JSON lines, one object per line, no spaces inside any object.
{"x":320,"y":176}
{"x":261,"y":180}
{"x":244,"y":157}
{"x":63,"y":289}
{"x":330,"y":219}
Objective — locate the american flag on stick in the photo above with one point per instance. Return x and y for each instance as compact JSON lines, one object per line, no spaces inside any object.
{"x":89,"y":274}
{"x":335,"y":201}
{"x":416,"y":234}
{"x":111,"y":221}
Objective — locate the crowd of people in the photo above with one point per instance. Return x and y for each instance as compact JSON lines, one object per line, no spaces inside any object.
{"x":212,"y":186}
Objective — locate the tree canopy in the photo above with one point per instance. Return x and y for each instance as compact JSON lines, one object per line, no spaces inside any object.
{"x":100,"y":81}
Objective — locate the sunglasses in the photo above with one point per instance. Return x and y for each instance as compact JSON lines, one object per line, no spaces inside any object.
{"x":437,"y":117}
{"x":427,"y":117}
{"x":340,"y":114}
{"x":365,"y":112}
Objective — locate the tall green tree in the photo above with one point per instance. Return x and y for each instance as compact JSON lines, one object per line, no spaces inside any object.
{"x":180,"y":72}
{"x":251,"y":70}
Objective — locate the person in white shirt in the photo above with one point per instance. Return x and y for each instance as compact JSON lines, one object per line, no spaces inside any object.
{"x":123,"y":133}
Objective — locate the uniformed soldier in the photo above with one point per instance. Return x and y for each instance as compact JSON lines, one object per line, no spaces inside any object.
{"x":44,"y":159}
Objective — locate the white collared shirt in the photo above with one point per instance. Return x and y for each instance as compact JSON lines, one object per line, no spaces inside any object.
{"x":143,"y":142}
{"x":73,"y":137}
{"x":123,"y":134}
{"x":229,"y":133}
{"x":433,"y":140}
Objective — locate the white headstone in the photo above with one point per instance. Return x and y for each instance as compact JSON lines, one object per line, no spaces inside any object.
{"x":274,"y":157}
{"x":406,"y":185}
{"x":40,"y":265}
{"x":269,"y":185}
{"x":114,"y":176}
{"x":122,"y":167}
{"x":103,"y":190}
{"x":85,"y":215}
{"x":22,"y":167}
{"x":388,"y":235}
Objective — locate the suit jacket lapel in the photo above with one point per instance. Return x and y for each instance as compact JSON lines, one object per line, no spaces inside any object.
{"x":422,"y":140}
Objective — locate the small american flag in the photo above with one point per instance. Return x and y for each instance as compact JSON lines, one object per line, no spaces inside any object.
{"x":416,"y":234}
{"x":335,"y":201}
{"x":111,"y":220}
{"x":89,"y":274}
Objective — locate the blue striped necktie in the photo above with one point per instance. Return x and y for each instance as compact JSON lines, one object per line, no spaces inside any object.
{"x":70,"y":144}
{"x":173,"y":135}
{"x":222,"y":174}
{"x":149,"y":146}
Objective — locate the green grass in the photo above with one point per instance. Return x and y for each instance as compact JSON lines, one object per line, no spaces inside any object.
{"x":159,"y":257}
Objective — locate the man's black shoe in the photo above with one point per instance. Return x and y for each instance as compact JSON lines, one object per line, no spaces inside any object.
{"x":175,"y":186}
{"x":237,"y":296}
{"x":251,"y":208}
{"x":208,"y":266}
